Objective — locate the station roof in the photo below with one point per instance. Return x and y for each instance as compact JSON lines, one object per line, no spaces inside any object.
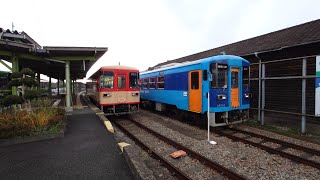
{"x":48,"y":60}
{"x":302,"y":34}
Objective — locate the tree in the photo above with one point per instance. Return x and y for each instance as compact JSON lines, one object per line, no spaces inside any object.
{"x":24,"y":78}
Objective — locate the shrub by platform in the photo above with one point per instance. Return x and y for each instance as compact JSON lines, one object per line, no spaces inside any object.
{"x":39,"y":122}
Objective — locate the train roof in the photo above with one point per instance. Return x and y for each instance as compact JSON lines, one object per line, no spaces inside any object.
{"x":114,"y":67}
{"x":118,"y":67}
{"x":177,"y":65}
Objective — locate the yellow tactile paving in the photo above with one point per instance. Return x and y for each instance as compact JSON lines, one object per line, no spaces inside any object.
{"x":122,"y":145}
{"x":107,"y":123}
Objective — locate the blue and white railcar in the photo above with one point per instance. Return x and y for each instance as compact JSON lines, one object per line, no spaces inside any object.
{"x":186,"y":86}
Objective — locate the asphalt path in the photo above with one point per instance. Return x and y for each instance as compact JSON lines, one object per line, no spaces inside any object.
{"x":87,"y":151}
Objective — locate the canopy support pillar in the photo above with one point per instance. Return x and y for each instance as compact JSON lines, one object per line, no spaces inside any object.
{"x":58,"y":86}
{"x":15,"y":69}
{"x":49,"y":87}
{"x":38,"y":80}
{"x":68,"y":86}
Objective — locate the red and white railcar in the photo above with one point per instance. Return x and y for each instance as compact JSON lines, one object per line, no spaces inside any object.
{"x":115,"y":89}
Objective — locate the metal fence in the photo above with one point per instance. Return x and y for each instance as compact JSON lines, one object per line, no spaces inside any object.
{"x":280,"y":87}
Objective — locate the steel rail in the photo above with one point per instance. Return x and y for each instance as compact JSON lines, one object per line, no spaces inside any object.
{"x":283,"y":143}
{"x":272,"y":151}
{"x":176,"y":172}
{"x":223,"y":170}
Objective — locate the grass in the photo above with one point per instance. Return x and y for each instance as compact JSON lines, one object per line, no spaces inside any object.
{"x":52,"y":129}
{"x":46,"y":120}
{"x":286,"y":131}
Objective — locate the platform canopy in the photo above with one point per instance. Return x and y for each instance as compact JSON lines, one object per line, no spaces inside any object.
{"x":20,"y":48}
{"x":69,"y":63}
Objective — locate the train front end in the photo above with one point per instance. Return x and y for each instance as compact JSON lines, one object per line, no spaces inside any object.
{"x":118,"y":91}
{"x":228,"y":89}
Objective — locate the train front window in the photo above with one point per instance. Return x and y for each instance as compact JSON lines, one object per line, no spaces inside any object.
{"x":121,"y":82}
{"x":219,"y":75}
{"x":245,"y":77}
{"x":106,"y":80}
{"x":133,"y":78}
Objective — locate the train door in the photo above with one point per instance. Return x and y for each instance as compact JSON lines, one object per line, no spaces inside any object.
{"x":195,"y":91}
{"x":235,"y":87}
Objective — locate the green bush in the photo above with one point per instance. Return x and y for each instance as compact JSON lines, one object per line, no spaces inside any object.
{"x":27,"y":71}
{"x":12,"y":99}
{"x":28,"y":81}
{"x":16,"y":75}
{"x":41,"y":102}
{"x":14,"y":82}
{"x":31,"y":94}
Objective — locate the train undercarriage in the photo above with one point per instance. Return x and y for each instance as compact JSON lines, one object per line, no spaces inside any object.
{"x":216,"y":118}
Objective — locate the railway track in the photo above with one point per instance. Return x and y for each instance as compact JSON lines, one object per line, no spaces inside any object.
{"x":126,"y":124}
{"x":231,"y":134}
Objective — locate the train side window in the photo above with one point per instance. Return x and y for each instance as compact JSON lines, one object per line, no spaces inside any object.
{"x":144,"y":83}
{"x":160,"y":82}
{"x":106,"y":80}
{"x":121,"y":82}
{"x":133,"y":79}
{"x":219,"y":75}
{"x":194,"y":80}
{"x":245,"y":77}
{"x":152,"y":83}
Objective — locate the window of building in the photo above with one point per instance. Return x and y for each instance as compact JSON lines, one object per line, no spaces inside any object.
{"x":133,"y":78}
{"x":121,"y":82}
{"x":160,"y":82}
{"x":219,"y":75}
{"x":195,"y":80}
{"x":106,"y":80}
{"x":144,"y":83}
{"x":152,"y":82}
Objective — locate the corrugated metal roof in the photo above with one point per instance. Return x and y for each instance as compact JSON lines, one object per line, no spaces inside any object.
{"x":301,"y":34}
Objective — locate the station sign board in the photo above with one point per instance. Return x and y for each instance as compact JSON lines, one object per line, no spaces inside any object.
{"x":317,"y":92}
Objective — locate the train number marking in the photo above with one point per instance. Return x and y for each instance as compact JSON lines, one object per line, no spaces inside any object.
{"x":122,"y":100}
{"x":185,"y":93}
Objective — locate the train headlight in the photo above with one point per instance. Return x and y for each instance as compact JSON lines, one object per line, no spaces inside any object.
{"x":107,"y":95}
{"x":135,"y":94}
{"x":247,"y":95}
{"x":222,"y":97}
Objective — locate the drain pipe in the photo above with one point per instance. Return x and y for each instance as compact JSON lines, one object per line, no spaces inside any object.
{"x":208,"y":114}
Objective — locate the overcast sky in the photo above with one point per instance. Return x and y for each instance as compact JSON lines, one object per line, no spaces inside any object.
{"x":142,"y":33}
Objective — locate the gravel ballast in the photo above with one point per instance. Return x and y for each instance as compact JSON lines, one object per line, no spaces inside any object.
{"x":244,"y":159}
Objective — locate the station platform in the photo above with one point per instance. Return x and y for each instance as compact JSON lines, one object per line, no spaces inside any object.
{"x":87,"y":151}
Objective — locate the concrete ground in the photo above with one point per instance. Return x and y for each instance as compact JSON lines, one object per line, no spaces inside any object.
{"x":87,"y":151}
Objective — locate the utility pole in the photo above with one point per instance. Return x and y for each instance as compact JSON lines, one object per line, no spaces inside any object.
{"x":12,"y":27}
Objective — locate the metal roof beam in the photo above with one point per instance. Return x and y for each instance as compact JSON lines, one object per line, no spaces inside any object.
{"x":5,"y":53}
{"x":74,"y":58}
{"x":29,"y":56}
{"x":6,"y":65}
